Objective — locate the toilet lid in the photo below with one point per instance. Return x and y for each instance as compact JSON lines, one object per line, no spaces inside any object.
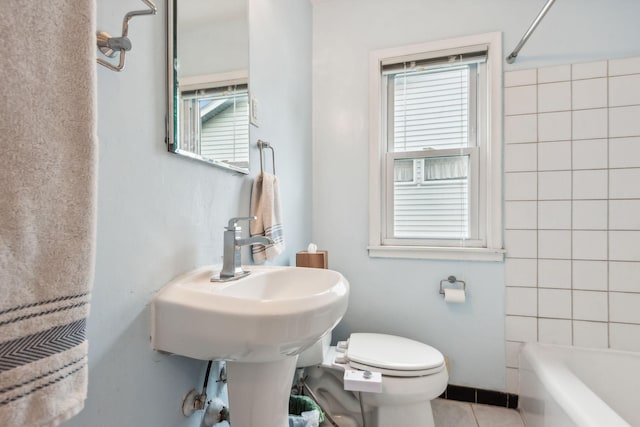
{"x":392,"y":353}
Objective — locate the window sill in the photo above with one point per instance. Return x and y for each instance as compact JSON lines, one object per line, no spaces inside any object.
{"x":444,"y":253}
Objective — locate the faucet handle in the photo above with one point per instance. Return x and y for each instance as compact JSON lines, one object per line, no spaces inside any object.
{"x":233,"y":222}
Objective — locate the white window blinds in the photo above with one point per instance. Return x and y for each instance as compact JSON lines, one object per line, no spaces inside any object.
{"x":430,"y":109}
{"x":431,"y":119}
{"x":436,"y":204}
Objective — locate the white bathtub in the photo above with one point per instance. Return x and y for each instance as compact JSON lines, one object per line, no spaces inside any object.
{"x":572,"y":386}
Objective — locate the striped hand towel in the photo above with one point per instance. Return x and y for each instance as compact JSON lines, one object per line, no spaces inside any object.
{"x":265,"y":206}
{"x":47,"y":207}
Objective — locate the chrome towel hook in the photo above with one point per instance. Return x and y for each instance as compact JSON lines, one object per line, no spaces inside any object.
{"x":109,"y":45}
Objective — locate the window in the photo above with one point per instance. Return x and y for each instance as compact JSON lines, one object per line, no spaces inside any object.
{"x":436,"y":150}
{"x":215,"y":123}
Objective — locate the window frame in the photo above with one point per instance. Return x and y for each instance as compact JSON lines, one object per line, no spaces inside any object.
{"x":488,"y":161}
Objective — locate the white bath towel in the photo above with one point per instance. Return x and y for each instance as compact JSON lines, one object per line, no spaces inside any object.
{"x":265,"y":206}
{"x":47,"y":207}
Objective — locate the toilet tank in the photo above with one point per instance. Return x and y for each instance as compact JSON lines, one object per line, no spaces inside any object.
{"x":314,"y":355}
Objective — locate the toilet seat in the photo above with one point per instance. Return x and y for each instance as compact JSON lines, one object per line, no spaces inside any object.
{"x":392,"y":355}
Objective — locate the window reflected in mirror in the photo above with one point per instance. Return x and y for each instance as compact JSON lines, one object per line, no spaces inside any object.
{"x":214,"y":123}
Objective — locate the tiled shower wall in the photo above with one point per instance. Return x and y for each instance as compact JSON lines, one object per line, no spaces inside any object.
{"x":572,"y":207}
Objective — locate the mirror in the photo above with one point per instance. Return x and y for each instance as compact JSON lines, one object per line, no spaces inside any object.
{"x":208,"y":96}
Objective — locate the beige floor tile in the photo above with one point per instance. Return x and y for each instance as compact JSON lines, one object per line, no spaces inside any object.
{"x":450,"y":413}
{"x":495,"y":416}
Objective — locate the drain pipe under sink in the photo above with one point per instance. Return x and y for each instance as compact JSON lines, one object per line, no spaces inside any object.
{"x":335,"y":388}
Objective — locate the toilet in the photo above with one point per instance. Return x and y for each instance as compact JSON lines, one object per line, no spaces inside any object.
{"x":413,"y":374}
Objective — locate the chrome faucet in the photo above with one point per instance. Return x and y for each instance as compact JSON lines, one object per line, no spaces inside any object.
{"x":232,"y":258}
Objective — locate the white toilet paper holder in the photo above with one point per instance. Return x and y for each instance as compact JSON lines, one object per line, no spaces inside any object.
{"x":452,"y":281}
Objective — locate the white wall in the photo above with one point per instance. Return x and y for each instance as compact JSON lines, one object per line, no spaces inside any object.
{"x":280,"y":54}
{"x":401,"y":296}
{"x":160,"y":215}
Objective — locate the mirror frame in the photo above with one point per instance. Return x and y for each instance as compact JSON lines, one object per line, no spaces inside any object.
{"x":171,"y":127}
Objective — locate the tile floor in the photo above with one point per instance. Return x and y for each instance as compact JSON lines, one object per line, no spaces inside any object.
{"x":451,"y":413}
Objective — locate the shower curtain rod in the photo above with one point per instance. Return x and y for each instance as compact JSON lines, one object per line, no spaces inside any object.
{"x":512,"y":57}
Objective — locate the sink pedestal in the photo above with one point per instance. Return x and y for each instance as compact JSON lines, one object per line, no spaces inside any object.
{"x":259,"y":392}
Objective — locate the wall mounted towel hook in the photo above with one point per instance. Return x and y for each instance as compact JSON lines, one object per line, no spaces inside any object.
{"x":110,"y":46}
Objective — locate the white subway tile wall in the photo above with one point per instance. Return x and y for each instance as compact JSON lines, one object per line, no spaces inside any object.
{"x":623,"y":336}
{"x":623,"y":121}
{"x":621,"y":67}
{"x":624,"y":152}
{"x":590,"y":305}
{"x":521,"y":329}
{"x":552,"y":97}
{"x":590,"y":184}
{"x":590,"y":334}
{"x":513,"y":353}
{"x":554,"y":185}
{"x":521,"y":78}
{"x":589,"y":124}
{"x":522,"y":215}
{"x":521,"y":272}
{"x":554,"y":244}
{"x":590,"y":93}
{"x":624,"y":214}
{"x":623,"y":276}
{"x":521,"y":301}
{"x":554,"y":303}
{"x":554,"y":215}
{"x":555,"y":331}
{"x":521,"y":157}
{"x":572,"y":207}
{"x":589,"y":245}
{"x":554,"y":273}
{"x":554,"y":156}
{"x":589,"y":275}
{"x":623,"y":183}
{"x":521,"y":128}
{"x":624,"y":90}
{"x":520,"y":100}
{"x":588,"y":70}
{"x":554,"y":126}
{"x":589,"y":154}
{"x":512,"y":380}
{"x":589,"y":214}
{"x":559,"y":73}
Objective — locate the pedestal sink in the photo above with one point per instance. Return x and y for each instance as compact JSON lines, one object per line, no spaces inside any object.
{"x":258,"y":324}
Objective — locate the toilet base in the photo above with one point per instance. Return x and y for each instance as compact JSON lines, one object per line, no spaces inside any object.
{"x":327,"y":386}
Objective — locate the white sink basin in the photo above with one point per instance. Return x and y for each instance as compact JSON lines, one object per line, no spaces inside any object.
{"x":273,"y":313}
{"x":258,"y":324}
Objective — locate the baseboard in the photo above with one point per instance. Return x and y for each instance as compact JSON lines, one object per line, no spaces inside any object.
{"x":478,"y":395}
